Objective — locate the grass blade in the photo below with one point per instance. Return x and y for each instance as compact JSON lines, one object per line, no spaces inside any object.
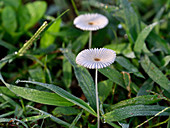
{"x":141,"y":38}
{"x":76,"y":120}
{"x":134,"y":110}
{"x":38,"y":96}
{"x":129,"y":66}
{"x":13,"y":119}
{"x":147,"y":99}
{"x":84,"y":78}
{"x":65,"y":95}
{"x":154,"y":73}
{"x":55,"y":119}
{"x":7,"y":114}
{"x":113,"y":75}
{"x":152,"y":117}
{"x":8,"y":45}
{"x":34,"y":118}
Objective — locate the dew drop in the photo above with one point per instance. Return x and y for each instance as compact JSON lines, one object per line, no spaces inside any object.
{"x":17,"y":81}
{"x":126,"y":36}
{"x":1,"y":94}
{"x":15,"y":52}
{"x":119,"y":26}
{"x":103,"y":120}
{"x":134,"y":70}
{"x":26,"y":85}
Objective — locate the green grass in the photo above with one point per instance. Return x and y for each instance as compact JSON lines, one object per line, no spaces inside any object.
{"x":42,"y":86}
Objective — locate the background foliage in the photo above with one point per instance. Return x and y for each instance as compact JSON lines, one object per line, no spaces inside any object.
{"x":42,"y":86}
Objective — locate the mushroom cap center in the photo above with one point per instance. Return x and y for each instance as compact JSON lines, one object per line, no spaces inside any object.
{"x":90,"y":23}
{"x":96,"y":59}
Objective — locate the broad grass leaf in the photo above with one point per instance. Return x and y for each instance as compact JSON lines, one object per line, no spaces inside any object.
{"x":113,"y":75}
{"x":64,"y":94}
{"x":105,"y":88}
{"x":141,"y":38}
{"x":38,"y":96}
{"x":7,"y":92}
{"x":48,"y":37}
{"x":9,"y":20}
{"x":60,"y":111}
{"x":126,"y":64}
{"x":157,"y":42}
{"x":139,"y":100}
{"x":117,"y":78}
{"x":35,"y":14}
{"x":129,"y":66}
{"x":84,"y":78}
{"x":147,"y":52}
{"x":134,"y":110}
{"x":86,"y":83}
{"x":154,"y":73}
{"x":122,"y":48}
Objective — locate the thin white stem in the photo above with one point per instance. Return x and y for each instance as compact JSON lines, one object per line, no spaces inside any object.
{"x":90,"y":38}
{"x":97,"y":101}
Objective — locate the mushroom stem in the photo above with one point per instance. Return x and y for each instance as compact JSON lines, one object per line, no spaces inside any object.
{"x":97,"y":100}
{"x":90,"y":38}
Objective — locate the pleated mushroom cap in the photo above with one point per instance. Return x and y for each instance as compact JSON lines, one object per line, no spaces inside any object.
{"x":91,"y":22}
{"x":96,"y":58}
